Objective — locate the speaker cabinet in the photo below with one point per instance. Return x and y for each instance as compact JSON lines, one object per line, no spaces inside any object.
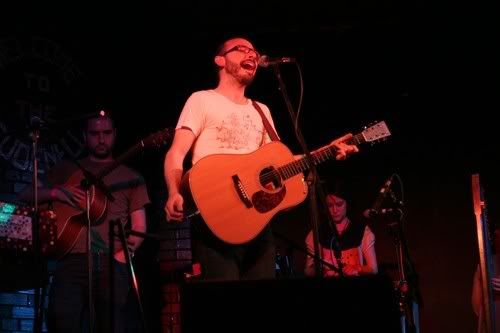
{"x":359,"y":304}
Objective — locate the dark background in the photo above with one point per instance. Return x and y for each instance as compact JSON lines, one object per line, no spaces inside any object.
{"x":430,"y":70}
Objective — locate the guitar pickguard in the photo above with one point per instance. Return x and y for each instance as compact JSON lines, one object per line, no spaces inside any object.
{"x":264,"y":201}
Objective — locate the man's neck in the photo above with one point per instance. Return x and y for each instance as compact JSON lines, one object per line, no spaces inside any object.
{"x":101,"y":160}
{"x":232,"y":90}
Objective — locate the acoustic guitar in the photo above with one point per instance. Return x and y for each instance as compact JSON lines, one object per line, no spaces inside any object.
{"x":237,"y":195}
{"x":72,"y":220}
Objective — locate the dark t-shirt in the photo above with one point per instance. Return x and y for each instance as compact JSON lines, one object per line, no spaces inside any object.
{"x":127,"y":187}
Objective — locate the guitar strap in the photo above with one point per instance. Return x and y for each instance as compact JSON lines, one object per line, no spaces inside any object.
{"x":267,"y":125}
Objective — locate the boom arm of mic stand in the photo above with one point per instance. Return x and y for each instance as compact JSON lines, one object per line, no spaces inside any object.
{"x":90,"y":179}
{"x":313,"y":186}
{"x":146,"y":235}
{"x":133,"y":279}
{"x":306,"y":252}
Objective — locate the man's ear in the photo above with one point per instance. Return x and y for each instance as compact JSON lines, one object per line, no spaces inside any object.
{"x":220,"y":61}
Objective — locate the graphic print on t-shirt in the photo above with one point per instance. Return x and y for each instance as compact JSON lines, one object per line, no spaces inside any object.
{"x":237,"y":131}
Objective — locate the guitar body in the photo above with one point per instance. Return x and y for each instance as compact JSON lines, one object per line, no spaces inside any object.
{"x":237,"y":195}
{"x":231,"y":196}
{"x":71,"y":220}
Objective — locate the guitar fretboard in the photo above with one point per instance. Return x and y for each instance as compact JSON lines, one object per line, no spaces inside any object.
{"x":300,"y":165}
{"x":119,"y":160}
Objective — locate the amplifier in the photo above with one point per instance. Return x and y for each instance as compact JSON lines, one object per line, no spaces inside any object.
{"x":16,"y":228}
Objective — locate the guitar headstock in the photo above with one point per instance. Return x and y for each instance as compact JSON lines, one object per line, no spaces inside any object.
{"x":375,"y":132}
{"x":158,"y":139}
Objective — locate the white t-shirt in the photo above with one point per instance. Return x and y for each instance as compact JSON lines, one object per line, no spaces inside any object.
{"x":222,"y":126}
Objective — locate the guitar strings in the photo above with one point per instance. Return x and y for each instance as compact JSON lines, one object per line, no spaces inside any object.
{"x":295,"y":167}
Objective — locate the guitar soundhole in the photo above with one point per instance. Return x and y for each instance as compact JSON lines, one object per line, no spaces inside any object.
{"x":270,"y":178}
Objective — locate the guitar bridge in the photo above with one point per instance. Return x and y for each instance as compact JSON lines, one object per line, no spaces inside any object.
{"x":241,"y":191}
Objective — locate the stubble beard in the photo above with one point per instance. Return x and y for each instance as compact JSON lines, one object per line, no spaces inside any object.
{"x":234,"y":70}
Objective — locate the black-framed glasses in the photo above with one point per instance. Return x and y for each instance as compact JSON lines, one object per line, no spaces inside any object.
{"x":243,"y":49}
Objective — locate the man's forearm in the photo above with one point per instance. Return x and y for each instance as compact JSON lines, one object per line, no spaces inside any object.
{"x":173,"y":180}
{"x":173,"y":171}
{"x":138,"y":223}
{"x":44,"y":195}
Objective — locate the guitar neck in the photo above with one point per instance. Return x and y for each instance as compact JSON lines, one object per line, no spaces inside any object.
{"x":321,"y":155}
{"x":120,"y":159}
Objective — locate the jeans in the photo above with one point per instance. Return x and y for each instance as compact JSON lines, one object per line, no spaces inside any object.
{"x":68,"y":295}
{"x":254,"y":260}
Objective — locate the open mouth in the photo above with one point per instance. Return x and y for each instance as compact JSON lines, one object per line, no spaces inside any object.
{"x":249,"y":65}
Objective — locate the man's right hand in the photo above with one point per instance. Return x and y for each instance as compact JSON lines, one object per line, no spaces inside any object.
{"x":69,"y":194}
{"x":174,"y":207}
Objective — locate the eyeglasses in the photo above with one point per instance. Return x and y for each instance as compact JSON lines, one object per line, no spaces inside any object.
{"x":243,"y":49}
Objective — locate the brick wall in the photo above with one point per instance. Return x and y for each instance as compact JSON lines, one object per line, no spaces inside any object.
{"x":17,"y":311}
{"x":174,"y":254}
{"x":175,"y":260}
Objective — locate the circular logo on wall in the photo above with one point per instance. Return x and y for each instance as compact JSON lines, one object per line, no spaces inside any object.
{"x":42,"y":91}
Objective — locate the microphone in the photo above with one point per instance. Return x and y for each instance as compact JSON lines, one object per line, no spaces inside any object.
{"x":370,"y":213}
{"x":266,"y":61}
{"x":381,"y":196}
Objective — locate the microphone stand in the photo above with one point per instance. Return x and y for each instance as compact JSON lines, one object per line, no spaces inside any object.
{"x":315,"y":190}
{"x":130,"y":267}
{"x":39,"y":295}
{"x":112,"y":275}
{"x":407,"y":305}
{"x":35,"y":128}
{"x":87,"y":182}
